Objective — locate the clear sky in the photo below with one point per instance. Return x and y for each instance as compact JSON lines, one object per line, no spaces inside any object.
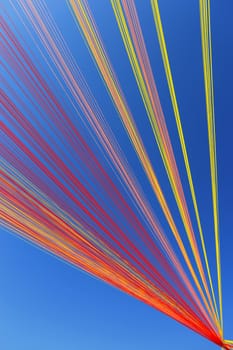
{"x":48,"y":304}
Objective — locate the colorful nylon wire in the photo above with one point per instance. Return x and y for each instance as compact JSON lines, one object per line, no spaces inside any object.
{"x":57,"y":191}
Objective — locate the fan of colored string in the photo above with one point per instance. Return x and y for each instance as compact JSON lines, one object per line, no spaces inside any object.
{"x":66,"y":182}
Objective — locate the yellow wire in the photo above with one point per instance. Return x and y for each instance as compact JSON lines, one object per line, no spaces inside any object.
{"x":162,"y":42}
{"x":158,"y":135}
{"x":208,"y":80}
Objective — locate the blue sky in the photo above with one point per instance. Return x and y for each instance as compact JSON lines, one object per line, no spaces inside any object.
{"x":44,"y":302}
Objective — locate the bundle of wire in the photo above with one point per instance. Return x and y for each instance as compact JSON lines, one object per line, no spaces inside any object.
{"x":58,"y":193}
